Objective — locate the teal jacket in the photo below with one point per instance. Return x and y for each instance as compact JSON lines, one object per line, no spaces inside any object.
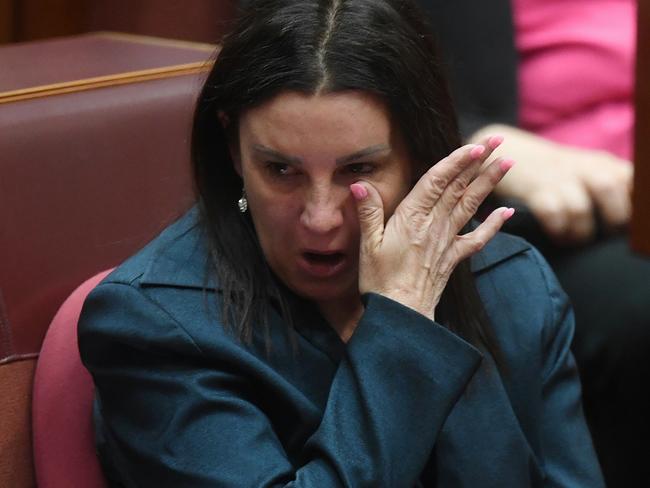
{"x":181,"y":403}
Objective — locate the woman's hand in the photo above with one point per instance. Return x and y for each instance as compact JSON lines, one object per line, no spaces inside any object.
{"x":411,"y":257}
{"x":563,"y":186}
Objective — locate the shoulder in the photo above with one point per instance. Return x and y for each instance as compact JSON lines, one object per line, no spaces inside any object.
{"x":510,"y":266}
{"x":512,"y":263}
{"x":527,"y":307}
{"x":176,"y":257}
{"x":499,"y":250}
{"x":153,"y":293}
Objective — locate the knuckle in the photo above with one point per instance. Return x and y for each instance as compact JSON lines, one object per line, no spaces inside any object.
{"x":368,"y":213}
{"x":435,"y":184}
{"x":476,"y":245}
{"x":553,"y":219}
{"x":578,"y":210}
{"x":414,"y":207}
{"x":470,"y":203}
{"x":420,"y":238}
{"x":551,"y":214}
{"x":495,"y":177}
{"x":472,"y":244}
{"x":458,"y":187}
{"x":604,"y":186}
{"x":542,"y":201}
{"x":548,"y":207}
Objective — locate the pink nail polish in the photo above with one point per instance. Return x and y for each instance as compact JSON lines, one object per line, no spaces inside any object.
{"x":506,"y":164}
{"x":507,"y":213}
{"x":359,"y":191}
{"x":495,"y":141}
{"x":477,"y":151}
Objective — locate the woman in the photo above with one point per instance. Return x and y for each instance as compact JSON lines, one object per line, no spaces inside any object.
{"x":315,"y":321}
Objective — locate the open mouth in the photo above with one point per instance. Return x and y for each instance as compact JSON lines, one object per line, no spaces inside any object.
{"x":324,"y":258}
{"x":322,"y":264}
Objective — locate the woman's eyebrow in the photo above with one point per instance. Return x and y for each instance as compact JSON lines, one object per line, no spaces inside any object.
{"x":276,"y":155}
{"x":363,"y":153}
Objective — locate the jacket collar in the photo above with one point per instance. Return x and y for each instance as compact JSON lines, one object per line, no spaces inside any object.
{"x":179,"y":256}
{"x":501,"y":248}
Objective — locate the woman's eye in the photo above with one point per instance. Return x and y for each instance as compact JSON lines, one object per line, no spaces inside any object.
{"x":360,"y":168}
{"x":279,"y":169}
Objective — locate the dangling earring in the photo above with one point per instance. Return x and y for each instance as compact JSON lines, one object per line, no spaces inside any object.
{"x":242,"y":203}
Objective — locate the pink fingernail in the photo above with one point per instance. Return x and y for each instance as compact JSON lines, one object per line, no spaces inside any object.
{"x":507,"y":213}
{"x":495,"y":141}
{"x":359,"y":191}
{"x":477,"y":151}
{"x":506,"y":164}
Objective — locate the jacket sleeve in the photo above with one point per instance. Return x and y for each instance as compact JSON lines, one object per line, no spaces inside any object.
{"x":569,"y":457}
{"x":173,"y":417}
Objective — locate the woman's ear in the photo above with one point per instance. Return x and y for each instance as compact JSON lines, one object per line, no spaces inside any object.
{"x":233,"y":146}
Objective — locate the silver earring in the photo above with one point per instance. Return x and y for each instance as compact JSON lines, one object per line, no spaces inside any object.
{"x":242,"y":203}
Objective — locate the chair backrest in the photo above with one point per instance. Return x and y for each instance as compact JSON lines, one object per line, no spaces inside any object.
{"x":64,"y":453}
{"x":94,"y":162}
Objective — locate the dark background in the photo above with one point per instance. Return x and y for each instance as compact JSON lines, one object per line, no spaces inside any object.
{"x":195,"y":20}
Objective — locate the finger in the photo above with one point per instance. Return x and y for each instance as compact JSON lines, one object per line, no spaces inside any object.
{"x":370,"y":211}
{"x":468,"y":244}
{"x":581,"y":220}
{"x":612,"y":197}
{"x":476,"y":193}
{"x":430,"y":187}
{"x":490,"y":143}
{"x":456,"y":188}
{"x":564,"y":212}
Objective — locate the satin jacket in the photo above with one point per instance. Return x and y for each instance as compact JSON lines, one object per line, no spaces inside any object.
{"x":180,"y":402}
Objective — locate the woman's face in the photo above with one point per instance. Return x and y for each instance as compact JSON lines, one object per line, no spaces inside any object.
{"x":298,"y":155}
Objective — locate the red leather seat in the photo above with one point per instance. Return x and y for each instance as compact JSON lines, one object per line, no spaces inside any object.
{"x":64,"y":453}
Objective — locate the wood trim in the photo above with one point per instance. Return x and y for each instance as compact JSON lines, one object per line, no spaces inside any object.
{"x":104,"y":81}
{"x":157,"y":41}
{"x":19,"y":357}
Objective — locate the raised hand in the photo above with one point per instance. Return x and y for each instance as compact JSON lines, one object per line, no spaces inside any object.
{"x":410,"y":257}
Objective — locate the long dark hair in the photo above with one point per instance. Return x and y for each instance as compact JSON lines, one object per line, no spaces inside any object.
{"x":383,"y":47}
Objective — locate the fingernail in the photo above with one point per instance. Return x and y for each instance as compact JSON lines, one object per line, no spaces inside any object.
{"x":359,"y":191}
{"x":477,"y":151}
{"x":495,"y":141}
{"x":507,"y":213}
{"x":506,"y":164}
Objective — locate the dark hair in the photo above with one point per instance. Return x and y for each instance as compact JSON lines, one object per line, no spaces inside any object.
{"x":383,"y":47}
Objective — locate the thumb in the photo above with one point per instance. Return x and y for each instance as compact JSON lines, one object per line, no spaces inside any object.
{"x":370,"y":210}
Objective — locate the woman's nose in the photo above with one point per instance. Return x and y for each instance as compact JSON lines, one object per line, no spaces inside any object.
{"x":323,"y":211}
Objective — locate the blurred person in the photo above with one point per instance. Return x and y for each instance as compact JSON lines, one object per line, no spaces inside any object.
{"x":556,"y":78}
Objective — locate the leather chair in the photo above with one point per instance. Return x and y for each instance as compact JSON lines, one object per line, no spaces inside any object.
{"x":64,"y":453}
{"x":95,"y":162}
